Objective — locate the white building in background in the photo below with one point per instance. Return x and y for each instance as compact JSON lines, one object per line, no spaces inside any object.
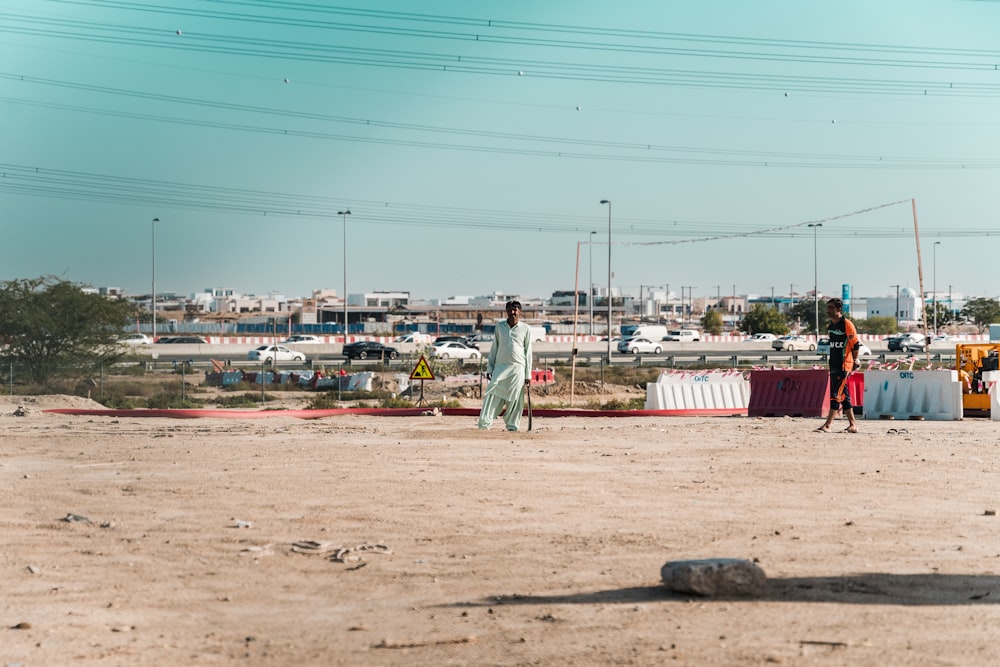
{"x":379,"y":299}
{"x":907,"y":307}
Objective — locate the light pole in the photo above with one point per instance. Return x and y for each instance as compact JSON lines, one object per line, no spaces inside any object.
{"x":815,"y":227}
{"x":897,"y":304}
{"x":934,"y":298}
{"x":590,"y":294}
{"x":153,"y":225}
{"x":343,"y":214}
{"x":608,"y":202}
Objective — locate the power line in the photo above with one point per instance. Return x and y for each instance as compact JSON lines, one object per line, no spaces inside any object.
{"x":476,"y":63}
{"x":108,"y":189}
{"x":630,"y":151}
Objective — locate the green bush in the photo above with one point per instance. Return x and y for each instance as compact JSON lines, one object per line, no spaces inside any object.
{"x":166,"y":400}
{"x":245,"y":400}
{"x":118,"y":401}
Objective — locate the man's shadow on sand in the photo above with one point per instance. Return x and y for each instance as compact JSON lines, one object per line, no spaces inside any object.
{"x":871,"y":588}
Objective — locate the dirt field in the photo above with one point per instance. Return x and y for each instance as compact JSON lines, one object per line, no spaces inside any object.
{"x":539,"y":548}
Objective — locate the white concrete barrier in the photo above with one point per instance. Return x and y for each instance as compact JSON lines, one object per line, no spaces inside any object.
{"x":709,"y":391}
{"x":902,"y":394}
{"x":992,"y":378}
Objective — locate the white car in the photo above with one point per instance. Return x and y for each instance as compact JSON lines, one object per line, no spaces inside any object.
{"x":793,"y":344}
{"x":823,"y":348}
{"x":413,"y":338}
{"x":270,"y":353}
{"x":452,"y":349}
{"x":302,"y":339}
{"x":639,"y":345}
{"x":761,"y":338}
{"x":136,"y":339}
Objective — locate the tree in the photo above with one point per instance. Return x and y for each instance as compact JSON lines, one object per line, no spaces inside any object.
{"x":945,"y":316}
{"x":711,"y":322}
{"x":877,"y":324}
{"x":804,"y":314}
{"x":764,"y":319}
{"x":982,"y":312}
{"x":53,"y":327}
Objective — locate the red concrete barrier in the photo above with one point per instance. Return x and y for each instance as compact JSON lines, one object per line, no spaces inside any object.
{"x":543,"y":376}
{"x":856,"y":390}
{"x":789,"y":393}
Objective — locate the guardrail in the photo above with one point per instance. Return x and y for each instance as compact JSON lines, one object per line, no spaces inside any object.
{"x":683,"y":360}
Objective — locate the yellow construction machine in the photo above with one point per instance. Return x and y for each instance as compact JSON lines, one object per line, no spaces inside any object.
{"x":971,"y":361}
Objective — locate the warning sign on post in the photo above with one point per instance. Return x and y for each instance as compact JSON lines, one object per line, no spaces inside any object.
{"x":422,"y":371}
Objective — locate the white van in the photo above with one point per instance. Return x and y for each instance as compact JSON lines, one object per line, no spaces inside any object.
{"x":538,"y":333}
{"x":683,"y":335}
{"x":653,"y":332}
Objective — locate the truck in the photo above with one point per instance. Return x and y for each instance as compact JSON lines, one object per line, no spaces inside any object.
{"x":653,"y":332}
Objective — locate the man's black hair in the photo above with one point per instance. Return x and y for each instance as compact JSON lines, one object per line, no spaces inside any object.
{"x":837,"y":303}
{"x":511,"y":304}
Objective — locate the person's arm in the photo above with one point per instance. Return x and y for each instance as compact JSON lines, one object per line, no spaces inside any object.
{"x":853,"y":342}
{"x":491,"y":359}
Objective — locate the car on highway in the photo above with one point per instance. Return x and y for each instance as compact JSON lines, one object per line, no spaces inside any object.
{"x":823,"y":348}
{"x":453,"y":349}
{"x":369,"y":349}
{"x":271,"y":353}
{"x":180,"y":340}
{"x":135,"y":339}
{"x":480,"y":338}
{"x":945,"y":340}
{"x":639,"y":345}
{"x":683,"y":335}
{"x":456,"y":339}
{"x":760,"y":338}
{"x":793,"y":344}
{"x":906,"y":342}
{"x":302,"y":339}
{"x":414,"y":337}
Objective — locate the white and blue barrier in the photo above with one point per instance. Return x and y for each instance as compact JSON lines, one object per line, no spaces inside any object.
{"x":716,"y":392}
{"x":901,"y":394}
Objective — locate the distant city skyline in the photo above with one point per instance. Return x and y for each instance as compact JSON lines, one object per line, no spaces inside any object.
{"x":761,"y":146}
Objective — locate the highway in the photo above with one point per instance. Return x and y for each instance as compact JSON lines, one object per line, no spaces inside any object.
{"x":674,"y":355}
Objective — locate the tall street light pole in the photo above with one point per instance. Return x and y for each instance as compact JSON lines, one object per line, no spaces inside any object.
{"x":815,"y":228}
{"x":590,"y":294}
{"x":153,"y":225}
{"x":897,"y":305}
{"x":343,"y":214}
{"x":608,"y":202}
{"x":934,"y":298}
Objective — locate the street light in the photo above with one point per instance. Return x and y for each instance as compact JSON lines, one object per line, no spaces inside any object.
{"x":608,"y":202}
{"x":897,"y":304}
{"x":934,"y":298}
{"x":815,"y":227}
{"x":343,"y":214}
{"x":590,"y":294}
{"x":153,"y":226}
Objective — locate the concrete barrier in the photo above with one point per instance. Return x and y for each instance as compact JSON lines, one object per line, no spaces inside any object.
{"x":934,"y":395}
{"x":716,"y":392}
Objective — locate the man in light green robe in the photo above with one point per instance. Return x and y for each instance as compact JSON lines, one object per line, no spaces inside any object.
{"x":508,"y":369}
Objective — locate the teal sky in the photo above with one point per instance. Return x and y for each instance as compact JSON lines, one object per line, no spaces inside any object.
{"x":473,"y":142}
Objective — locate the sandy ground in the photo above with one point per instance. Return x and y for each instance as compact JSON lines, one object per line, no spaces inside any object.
{"x":539,"y":548}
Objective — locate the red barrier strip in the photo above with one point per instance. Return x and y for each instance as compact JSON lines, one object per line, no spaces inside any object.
{"x":384,"y":412}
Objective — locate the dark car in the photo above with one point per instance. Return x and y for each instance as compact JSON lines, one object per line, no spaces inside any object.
{"x":908,"y":342}
{"x":197,"y":340}
{"x":458,"y":339}
{"x":369,"y":349}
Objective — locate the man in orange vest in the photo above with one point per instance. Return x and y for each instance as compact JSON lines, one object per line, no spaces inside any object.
{"x":844,"y":344}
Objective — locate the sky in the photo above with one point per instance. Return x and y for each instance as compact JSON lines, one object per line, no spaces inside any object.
{"x":473,"y":144}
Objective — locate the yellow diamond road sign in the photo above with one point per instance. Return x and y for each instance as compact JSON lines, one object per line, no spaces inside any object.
{"x":422,"y":371}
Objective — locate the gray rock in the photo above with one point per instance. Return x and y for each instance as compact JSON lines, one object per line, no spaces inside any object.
{"x":714,"y":577}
